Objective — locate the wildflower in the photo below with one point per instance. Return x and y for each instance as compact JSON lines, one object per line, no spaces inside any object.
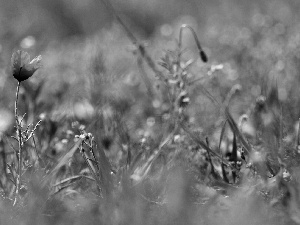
{"x":22,"y":67}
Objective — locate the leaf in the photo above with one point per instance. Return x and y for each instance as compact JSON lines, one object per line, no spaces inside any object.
{"x":225,"y":178}
{"x":70,"y":180}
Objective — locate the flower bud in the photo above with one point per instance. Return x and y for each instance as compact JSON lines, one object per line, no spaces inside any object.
{"x":22,"y":67}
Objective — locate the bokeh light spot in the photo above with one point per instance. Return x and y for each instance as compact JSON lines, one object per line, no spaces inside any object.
{"x":28,"y":42}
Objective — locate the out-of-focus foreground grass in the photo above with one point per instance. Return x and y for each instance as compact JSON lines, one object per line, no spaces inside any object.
{"x":211,"y":143}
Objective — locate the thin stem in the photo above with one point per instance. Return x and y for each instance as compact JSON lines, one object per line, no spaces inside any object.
{"x":110,"y":7}
{"x":16,"y":104}
{"x":144,"y":53}
{"x":193,"y":33}
{"x":19,"y":134}
{"x":144,"y":76}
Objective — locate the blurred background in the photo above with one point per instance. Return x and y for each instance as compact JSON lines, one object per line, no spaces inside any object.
{"x":94,"y":75}
{"x":88,"y":60}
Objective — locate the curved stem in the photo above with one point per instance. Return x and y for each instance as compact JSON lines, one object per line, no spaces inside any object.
{"x":201,"y":52}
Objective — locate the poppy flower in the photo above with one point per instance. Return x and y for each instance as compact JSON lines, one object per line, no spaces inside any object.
{"x":22,"y":67}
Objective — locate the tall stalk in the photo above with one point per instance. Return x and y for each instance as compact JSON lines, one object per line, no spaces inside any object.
{"x":20,"y":142}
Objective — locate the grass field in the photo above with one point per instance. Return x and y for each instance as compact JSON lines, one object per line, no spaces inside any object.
{"x":149,"y":112}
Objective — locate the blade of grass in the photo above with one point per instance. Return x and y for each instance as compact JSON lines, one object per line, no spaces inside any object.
{"x":65,"y":158}
{"x":234,"y":150}
{"x":233,"y":91}
{"x":222,"y":134}
{"x":298,"y":136}
{"x":237,"y":132}
{"x":215,"y":175}
{"x":3,"y":154}
{"x":145,"y":77}
{"x":72,"y":179}
{"x":144,"y":169}
{"x":105,"y":171}
{"x":225,"y":178}
{"x":281,"y":131}
{"x":222,"y":162}
{"x":234,"y":156}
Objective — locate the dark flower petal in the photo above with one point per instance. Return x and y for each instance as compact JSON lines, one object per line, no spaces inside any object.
{"x":22,"y":68}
